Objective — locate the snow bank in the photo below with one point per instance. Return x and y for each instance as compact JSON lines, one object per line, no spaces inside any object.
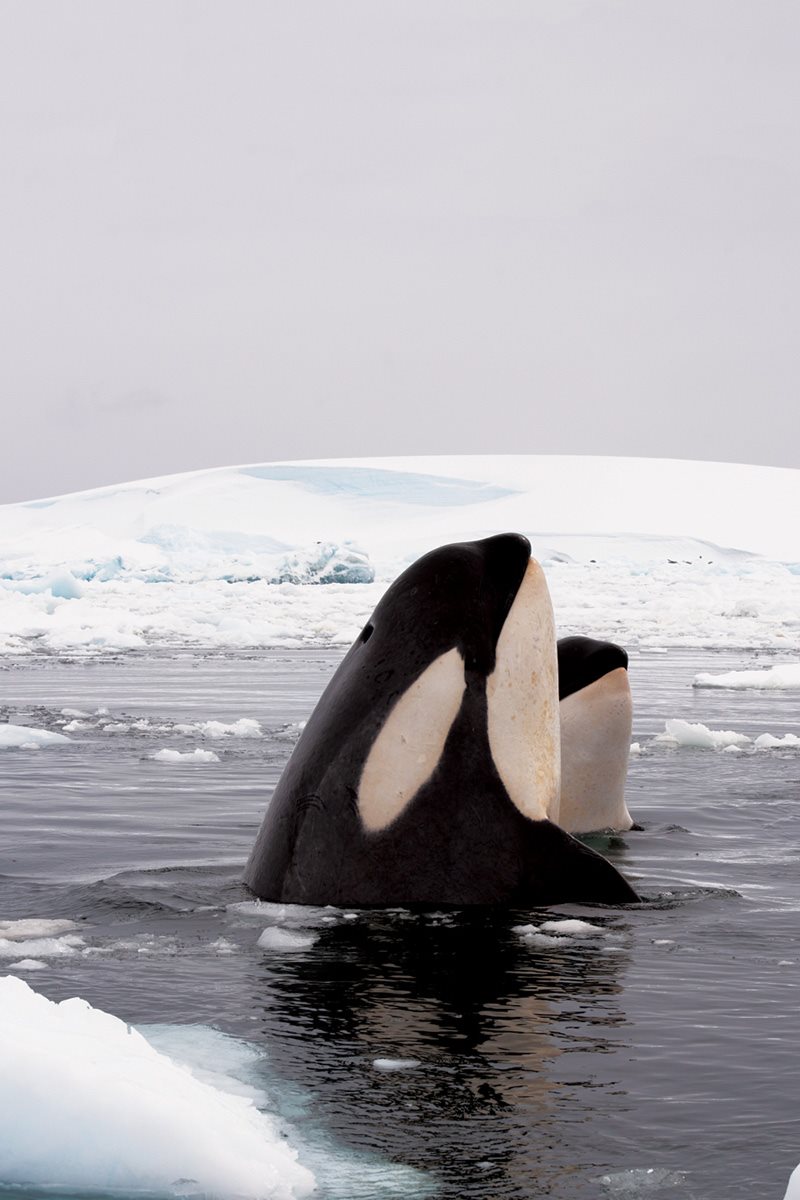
{"x":682,"y":733}
{"x":653,"y":553}
{"x":22,"y":737}
{"x":778,"y":678}
{"x":89,"y":1103}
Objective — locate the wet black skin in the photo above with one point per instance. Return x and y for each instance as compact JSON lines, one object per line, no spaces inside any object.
{"x":583,"y":660}
{"x":460,"y":841}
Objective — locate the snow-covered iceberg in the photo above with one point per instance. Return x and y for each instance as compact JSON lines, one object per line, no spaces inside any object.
{"x":89,"y":1103}
{"x":654,"y":553}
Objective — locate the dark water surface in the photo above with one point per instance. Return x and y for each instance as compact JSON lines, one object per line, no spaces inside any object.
{"x":659,"y":1057}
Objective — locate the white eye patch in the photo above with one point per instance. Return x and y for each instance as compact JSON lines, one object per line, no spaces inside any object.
{"x":408,"y":748}
{"x":522,"y":701}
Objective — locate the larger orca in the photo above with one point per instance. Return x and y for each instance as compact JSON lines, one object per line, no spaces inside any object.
{"x":429,"y":767}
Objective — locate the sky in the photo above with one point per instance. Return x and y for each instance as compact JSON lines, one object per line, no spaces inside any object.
{"x":237,"y":231}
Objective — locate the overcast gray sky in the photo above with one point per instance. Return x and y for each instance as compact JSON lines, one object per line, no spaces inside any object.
{"x":233,"y":231}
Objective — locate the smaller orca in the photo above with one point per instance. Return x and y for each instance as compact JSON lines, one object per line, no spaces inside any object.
{"x":596,"y":721}
{"x":426,"y":773}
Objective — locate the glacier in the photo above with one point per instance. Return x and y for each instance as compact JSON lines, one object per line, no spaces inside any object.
{"x":655,"y":553}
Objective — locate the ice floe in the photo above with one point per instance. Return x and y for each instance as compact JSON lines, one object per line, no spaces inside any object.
{"x":778,"y":678}
{"x":189,"y":756}
{"x":560,"y":932}
{"x":696,"y":736}
{"x":21,"y":737}
{"x":767,"y":741}
{"x":90,"y":1103}
{"x":684,"y":733}
{"x":277,"y":939}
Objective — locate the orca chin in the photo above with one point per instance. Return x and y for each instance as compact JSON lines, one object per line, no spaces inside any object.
{"x":429,"y":771}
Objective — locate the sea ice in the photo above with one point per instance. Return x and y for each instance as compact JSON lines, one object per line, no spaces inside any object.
{"x":190,"y":756}
{"x":275,"y":938}
{"x":89,"y":1103}
{"x":766,"y":741}
{"x":22,"y":737}
{"x":571,"y":925}
{"x":780,"y":678}
{"x":682,"y":733}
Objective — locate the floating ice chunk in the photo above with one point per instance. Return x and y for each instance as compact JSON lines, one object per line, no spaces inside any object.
{"x":682,"y":733}
{"x":395,"y":1064}
{"x":778,"y":678}
{"x":190,"y":756}
{"x":74,"y":712}
{"x":43,"y":947}
{"x":77,"y":725}
{"x":327,"y":563}
{"x":245,"y":727}
{"x":635,"y":748}
{"x":23,"y":738}
{"x":766,"y":741}
{"x":732,"y":750}
{"x":33,"y":927}
{"x":90,"y":1104}
{"x":793,"y":1190}
{"x":275,"y":938}
{"x":28,"y":964}
{"x":571,"y":926}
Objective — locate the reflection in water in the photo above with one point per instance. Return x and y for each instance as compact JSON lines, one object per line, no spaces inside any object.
{"x":503,"y":1035}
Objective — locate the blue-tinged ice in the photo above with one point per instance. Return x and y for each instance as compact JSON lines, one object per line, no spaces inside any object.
{"x":373,"y":483}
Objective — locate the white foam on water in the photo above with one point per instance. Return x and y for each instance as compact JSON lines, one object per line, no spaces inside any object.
{"x":90,"y":1103}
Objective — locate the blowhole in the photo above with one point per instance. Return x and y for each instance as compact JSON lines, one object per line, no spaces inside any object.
{"x":367,"y":632}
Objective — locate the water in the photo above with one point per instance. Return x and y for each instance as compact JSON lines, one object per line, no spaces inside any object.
{"x":656,"y":1058}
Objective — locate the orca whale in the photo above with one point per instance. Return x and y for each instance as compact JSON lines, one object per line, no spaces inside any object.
{"x":596,"y":719}
{"x":426,"y":773}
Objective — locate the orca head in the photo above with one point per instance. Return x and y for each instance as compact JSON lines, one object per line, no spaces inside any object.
{"x":584,"y":660}
{"x":477,"y":628}
{"x":596,"y":724}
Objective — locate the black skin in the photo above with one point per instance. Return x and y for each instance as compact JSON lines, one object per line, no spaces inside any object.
{"x":583,"y":660}
{"x":461,"y":841}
